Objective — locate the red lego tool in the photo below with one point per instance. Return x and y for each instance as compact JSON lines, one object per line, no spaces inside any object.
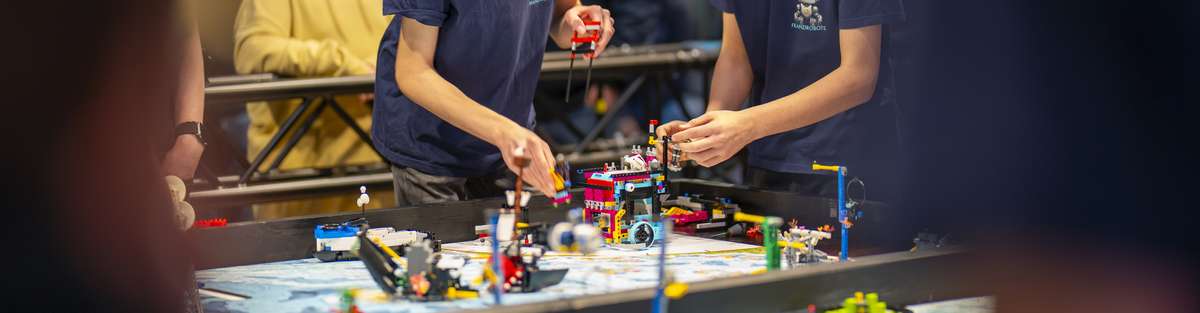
{"x":584,"y":45}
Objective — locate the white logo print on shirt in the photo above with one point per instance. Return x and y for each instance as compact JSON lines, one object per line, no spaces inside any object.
{"x":808,"y":16}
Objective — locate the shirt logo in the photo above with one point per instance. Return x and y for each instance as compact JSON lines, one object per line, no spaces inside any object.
{"x":533,"y":2}
{"x":808,"y":16}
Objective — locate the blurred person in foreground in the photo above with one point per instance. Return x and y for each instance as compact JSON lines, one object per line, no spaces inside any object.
{"x":95,"y":220}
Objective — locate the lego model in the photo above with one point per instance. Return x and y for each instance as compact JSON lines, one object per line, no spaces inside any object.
{"x":800,"y":244}
{"x":843,"y":215}
{"x":212,"y":222}
{"x":574,"y":235}
{"x":864,"y":304}
{"x":700,"y":212}
{"x":420,"y":275}
{"x":509,"y":269}
{"x":585,"y":46}
{"x":520,"y":271}
{"x":334,"y":242}
{"x":770,"y":233}
{"x":515,"y":226}
{"x":625,"y":202}
{"x":562,"y":187}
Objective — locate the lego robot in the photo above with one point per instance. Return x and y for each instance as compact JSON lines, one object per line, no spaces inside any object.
{"x":420,"y":275}
{"x":625,"y":201}
{"x":334,"y":242}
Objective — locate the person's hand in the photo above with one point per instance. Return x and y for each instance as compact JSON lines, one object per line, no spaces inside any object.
{"x":183,"y":157}
{"x":715,"y":136}
{"x":572,"y":22}
{"x":670,"y":129}
{"x":518,"y":142}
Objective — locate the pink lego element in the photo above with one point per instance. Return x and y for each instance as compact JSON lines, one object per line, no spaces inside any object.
{"x":694,"y":216}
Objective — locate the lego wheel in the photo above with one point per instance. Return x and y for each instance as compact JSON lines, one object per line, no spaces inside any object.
{"x":643,"y":234}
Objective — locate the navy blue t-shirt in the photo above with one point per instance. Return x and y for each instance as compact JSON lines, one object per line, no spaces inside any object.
{"x":491,"y":50}
{"x":793,"y":43}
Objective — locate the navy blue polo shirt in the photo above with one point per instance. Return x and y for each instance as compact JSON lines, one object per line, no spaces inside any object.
{"x":793,"y":43}
{"x":491,"y":50}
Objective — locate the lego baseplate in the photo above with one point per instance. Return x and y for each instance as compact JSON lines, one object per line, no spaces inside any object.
{"x":680,"y":244}
{"x":310,"y":285}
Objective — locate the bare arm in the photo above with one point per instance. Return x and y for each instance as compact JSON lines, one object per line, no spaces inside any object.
{"x":732,"y":77}
{"x":851,"y":84}
{"x":189,"y":100}
{"x":185,"y":153}
{"x":732,"y":74}
{"x":419,"y":81}
{"x":719,"y":134}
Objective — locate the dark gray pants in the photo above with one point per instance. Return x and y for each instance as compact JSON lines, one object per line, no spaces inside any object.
{"x":414,"y":187}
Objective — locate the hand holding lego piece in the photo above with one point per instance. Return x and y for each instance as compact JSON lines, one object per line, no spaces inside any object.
{"x":527,"y":155}
{"x":674,"y":155}
{"x":716,"y":136}
{"x":574,"y":23}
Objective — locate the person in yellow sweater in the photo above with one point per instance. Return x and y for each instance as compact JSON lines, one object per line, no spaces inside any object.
{"x":309,"y":38}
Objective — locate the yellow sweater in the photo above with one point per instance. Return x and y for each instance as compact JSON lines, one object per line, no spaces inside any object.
{"x":310,"y":38}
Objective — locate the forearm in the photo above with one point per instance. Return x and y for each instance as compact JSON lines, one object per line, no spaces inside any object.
{"x":189,"y":99}
{"x":730,"y":83}
{"x":835,"y":93}
{"x":429,"y":90}
{"x":732,"y":75}
{"x":296,"y":57}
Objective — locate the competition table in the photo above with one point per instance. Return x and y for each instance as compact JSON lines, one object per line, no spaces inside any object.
{"x":271,"y":263}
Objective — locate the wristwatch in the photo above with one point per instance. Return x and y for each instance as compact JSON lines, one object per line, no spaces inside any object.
{"x":191,"y":128}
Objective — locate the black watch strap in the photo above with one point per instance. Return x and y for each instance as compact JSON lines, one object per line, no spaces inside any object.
{"x":191,"y":128}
